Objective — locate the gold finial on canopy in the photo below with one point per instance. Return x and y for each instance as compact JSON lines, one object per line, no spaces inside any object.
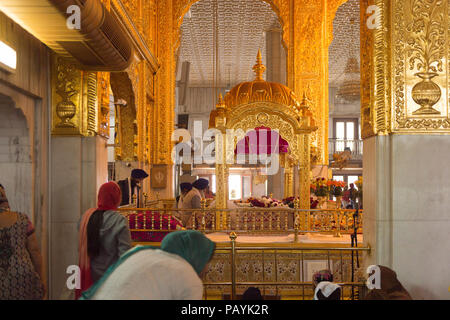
{"x":259,"y":68}
{"x":221,"y":103}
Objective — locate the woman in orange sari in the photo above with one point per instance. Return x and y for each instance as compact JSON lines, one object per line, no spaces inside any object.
{"x":103,"y":237}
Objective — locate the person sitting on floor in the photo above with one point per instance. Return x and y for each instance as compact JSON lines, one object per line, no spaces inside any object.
{"x":171,"y":272}
{"x":327,"y":290}
{"x":252,"y":293}
{"x":391,"y":288}
{"x":322,"y":275}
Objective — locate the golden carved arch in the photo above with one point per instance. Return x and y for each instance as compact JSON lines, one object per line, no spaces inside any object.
{"x":269,"y":115}
{"x":250,"y":105}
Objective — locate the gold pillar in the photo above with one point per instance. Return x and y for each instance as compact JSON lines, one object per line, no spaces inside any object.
{"x":304,"y":171}
{"x":222,"y":173}
{"x":164,"y":105}
{"x":288,"y":181}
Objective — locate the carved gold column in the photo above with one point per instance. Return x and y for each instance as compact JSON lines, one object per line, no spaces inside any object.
{"x":104,"y":92}
{"x":287,"y":164}
{"x":307,"y":128}
{"x":304,"y":171}
{"x":165,"y":91}
{"x":312,"y":32}
{"x":288,"y":182}
{"x":367,"y":79}
{"x":222,"y":171}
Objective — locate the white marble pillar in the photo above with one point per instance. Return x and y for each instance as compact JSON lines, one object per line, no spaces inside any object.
{"x":276,"y":57}
{"x":79,"y":166}
{"x":406,"y":210}
{"x":276,"y":72}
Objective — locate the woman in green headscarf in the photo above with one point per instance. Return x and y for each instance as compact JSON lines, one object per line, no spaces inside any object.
{"x":171,"y":272}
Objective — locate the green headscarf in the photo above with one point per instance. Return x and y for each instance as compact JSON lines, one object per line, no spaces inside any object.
{"x":191,"y":245}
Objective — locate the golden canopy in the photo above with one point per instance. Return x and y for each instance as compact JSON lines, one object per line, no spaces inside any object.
{"x":259,"y":90}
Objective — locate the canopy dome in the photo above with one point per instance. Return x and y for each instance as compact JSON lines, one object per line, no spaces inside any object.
{"x":260,"y":90}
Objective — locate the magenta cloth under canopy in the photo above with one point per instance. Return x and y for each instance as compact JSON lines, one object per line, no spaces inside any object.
{"x":262,"y":140}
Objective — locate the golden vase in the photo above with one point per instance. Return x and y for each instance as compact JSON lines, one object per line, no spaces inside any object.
{"x":426,"y":94}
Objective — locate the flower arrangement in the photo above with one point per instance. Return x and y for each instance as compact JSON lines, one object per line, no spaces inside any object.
{"x":336,"y":188}
{"x":313,"y":203}
{"x":359,"y":192}
{"x":266,"y":202}
{"x":320,"y":187}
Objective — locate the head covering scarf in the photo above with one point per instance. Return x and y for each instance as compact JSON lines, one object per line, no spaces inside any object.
{"x":322,"y":275}
{"x":391,"y":288}
{"x":191,"y":245}
{"x":201,"y":184}
{"x":4,"y":204}
{"x":186,"y":186}
{"x":326,"y":290}
{"x":139,"y":174}
{"x":109,"y":197}
{"x":252,"y":293}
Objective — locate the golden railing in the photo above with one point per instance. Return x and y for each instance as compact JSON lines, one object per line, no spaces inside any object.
{"x":246,"y":220}
{"x":282,"y":273}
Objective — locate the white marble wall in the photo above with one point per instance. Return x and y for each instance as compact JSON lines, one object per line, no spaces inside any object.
{"x":406,"y":205}
{"x":15,"y":159}
{"x":79,"y":167}
{"x":258,"y":190}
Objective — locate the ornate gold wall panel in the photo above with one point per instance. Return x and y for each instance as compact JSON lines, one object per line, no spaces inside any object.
{"x":420,"y":56}
{"x":367,"y":79}
{"x":313,"y":33}
{"x":122,"y":88}
{"x":92,"y":105}
{"x":66,"y":97}
{"x":103,"y":93}
{"x":74,"y":99}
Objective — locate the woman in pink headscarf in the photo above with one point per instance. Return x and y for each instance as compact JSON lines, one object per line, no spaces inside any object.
{"x":104,"y":236}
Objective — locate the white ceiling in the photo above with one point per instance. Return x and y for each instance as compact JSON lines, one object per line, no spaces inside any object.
{"x":241,"y":34}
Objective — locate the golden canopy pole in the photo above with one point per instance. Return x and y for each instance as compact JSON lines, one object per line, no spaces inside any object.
{"x":305,"y":154}
{"x":288,"y":175}
{"x":221,"y":164}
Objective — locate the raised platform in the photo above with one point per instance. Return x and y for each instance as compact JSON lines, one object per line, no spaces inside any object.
{"x":309,"y":239}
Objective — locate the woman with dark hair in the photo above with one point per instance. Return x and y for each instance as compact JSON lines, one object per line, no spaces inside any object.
{"x":104,"y":236}
{"x":21,"y":274}
{"x":171,"y":272}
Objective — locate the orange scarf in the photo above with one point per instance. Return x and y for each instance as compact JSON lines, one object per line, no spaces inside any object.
{"x":83,"y":258}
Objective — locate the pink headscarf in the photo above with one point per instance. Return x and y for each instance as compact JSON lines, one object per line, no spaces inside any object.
{"x":109,"y":197}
